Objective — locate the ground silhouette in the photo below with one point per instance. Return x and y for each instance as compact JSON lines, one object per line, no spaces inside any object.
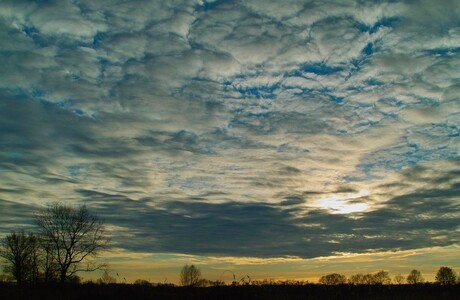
{"x":266,"y":292}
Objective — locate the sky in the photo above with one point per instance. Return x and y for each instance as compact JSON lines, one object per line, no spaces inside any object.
{"x":275,"y":139}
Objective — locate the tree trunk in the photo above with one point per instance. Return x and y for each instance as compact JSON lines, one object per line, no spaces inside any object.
{"x":63,"y":275}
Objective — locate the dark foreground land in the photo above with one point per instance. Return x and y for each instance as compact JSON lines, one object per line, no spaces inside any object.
{"x":311,"y":291}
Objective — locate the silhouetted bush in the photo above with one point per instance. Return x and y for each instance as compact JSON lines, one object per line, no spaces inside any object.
{"x":142,"y":282}
{"x":415,"y":277}
{"x":446,"y":275}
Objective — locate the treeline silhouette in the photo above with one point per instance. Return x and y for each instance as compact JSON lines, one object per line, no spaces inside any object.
{"x":192,"y":286}
{"x":444,"y":276}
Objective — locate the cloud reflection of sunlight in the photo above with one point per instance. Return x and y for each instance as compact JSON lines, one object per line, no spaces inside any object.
{"x":342,"y":204}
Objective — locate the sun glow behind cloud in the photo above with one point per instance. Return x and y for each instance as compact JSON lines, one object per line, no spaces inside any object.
{"x":343,"y":203}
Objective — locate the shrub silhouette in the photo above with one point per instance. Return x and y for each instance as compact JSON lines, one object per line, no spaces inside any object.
{"x":415,"y":277}
{"x":446,"y":275}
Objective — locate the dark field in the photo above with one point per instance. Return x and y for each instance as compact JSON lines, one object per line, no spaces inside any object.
{"x":313,"y":291}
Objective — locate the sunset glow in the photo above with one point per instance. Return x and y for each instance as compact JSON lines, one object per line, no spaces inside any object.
{"x":343,"y":204}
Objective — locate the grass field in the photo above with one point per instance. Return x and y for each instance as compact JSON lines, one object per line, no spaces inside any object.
{"x":310,"y":291}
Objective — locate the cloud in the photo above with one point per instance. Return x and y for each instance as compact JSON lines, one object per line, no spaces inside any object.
{"x":293,"y":227}
{"x":16,"y":215}
{"x":228,"y":121}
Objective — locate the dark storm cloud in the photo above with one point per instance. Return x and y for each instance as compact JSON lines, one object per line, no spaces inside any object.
{"x":204,"y":228}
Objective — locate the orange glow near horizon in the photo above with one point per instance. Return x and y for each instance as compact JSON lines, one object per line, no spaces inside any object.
{"x":161,"y":268}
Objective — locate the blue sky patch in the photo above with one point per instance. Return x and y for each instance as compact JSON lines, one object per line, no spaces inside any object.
{"x":320,"y":69}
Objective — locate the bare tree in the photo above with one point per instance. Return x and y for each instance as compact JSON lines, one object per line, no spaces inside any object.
{"x":73,"y":235}
{"x":48,"y":262}
{"x":361,"y":279}
{"x":381,"y":277}
{"x":333,"y":279}
{"x":415,"y":277}
{"x":20,"y":251}
{"x":399,"y":279}
{"x":190,"y":275}
{"x":357,"y":279}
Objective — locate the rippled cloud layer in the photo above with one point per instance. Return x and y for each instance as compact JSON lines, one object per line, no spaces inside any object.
{"x":236,"y":128}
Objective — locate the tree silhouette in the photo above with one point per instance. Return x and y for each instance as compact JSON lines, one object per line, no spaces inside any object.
{"x":73,"y":235}
{"x":48,"y":261}
{"x":399,"y":279}
{"x":414,"y":277}
{"x":381,"y":277}
{"x":333,"y":279}
{"x":190,"y":275}
{"x":20,"y":251}
{"x":446,"y":275}
{"x":357,"y":279}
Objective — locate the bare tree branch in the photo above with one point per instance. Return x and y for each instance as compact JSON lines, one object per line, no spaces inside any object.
{"x":75,"y":234}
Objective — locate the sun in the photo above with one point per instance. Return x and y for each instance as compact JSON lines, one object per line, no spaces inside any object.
{"x":343,"y":203}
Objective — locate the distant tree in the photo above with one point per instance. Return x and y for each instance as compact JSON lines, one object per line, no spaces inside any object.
{"x":190,"y":275}
{"x":73,"y":235}
{"x":20,"y":251}
{"x":368,"y":279}
{"x":446,"y":275}
{"x":415,"y":277}
{"x":333,"y":279}
{"x":357,"y":279}
{"x":399,"y":279}
{"x":381,"y":277}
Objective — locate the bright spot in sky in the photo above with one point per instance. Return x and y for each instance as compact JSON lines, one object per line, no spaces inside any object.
{"x":343,"y":203}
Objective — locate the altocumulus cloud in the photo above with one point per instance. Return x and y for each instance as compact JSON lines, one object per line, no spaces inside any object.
{"x":236,"y":128}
